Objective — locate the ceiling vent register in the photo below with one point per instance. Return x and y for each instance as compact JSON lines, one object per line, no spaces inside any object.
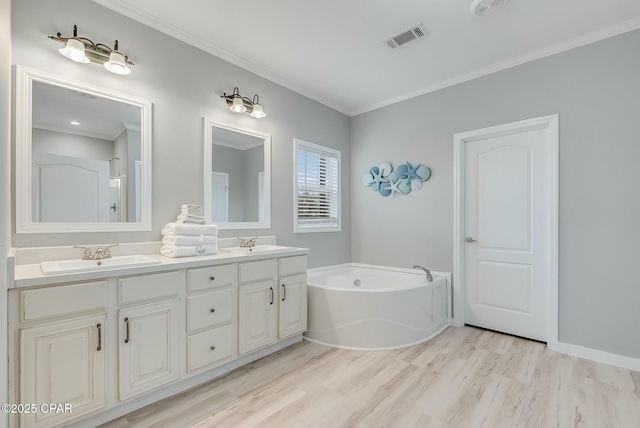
{"x":414,"y":33}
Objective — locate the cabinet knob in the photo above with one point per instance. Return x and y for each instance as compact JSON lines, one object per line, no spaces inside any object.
{"x":212,"y":310}
{"x":212,"y":278}
{"x":213,"y":348}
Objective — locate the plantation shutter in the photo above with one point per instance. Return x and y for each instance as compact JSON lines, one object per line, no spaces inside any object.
{"x":317,"y":186}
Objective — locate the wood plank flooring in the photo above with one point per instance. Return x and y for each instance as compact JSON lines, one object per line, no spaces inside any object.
{"x":466,"y":377}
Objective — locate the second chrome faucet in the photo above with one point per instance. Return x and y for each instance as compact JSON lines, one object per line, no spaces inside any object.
{"x":101,"y":253}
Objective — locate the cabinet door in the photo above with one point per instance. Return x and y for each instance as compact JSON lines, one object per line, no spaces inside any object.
{"x":257,"y":315}
{"x":293,"y":305}
{"x":148,"y":347}
{"x":63,"y":362}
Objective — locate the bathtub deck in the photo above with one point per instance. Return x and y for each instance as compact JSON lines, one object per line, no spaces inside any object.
{"x":465,"y":377}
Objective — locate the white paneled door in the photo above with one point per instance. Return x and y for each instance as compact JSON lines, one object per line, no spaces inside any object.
{"x":507,"y":223}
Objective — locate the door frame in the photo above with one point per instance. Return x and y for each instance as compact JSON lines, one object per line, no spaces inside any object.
{"x":550,"y":123}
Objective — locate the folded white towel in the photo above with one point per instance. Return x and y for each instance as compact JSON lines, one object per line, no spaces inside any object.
{"x":191,"y":206}
{"x":172,"y":239}
{"x":191,"y":210}
{"x":192,"y":217}
{"x":188,"y":251}
{"x":191,"y":222}
{"x":190,"y":229}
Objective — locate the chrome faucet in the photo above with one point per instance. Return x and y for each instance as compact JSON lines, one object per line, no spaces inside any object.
{"x":429,"y":276}
{"x":101,"y":253}
{"x":248,"y":243}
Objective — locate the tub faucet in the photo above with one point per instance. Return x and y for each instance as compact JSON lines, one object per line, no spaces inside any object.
{"x":429,"y":276}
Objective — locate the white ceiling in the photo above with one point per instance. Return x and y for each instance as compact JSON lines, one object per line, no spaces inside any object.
{"x":333,"y":51}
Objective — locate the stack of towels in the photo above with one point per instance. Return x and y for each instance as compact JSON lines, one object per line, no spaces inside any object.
{"x":191,"y":214}
{"x":189,"y":235}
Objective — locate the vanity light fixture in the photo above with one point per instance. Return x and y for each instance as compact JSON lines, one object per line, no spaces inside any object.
{"x":83,"y":50}
{"x":240,"y":104}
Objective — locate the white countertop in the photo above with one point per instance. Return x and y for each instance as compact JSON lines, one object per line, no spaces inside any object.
{"x":30,"y":275}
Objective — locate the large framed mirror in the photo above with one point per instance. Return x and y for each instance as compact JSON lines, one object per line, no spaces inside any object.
{"x":237,"y":176}
{"x":83,"y":157}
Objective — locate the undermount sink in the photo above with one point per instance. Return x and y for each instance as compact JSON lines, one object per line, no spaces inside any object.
{"x":66,"y":266}
{"x":258,"y":249}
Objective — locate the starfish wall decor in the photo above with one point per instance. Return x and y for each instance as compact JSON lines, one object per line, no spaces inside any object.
{"x":406,"y":178}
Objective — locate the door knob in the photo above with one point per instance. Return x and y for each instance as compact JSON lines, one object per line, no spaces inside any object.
{"x":470,"y":239}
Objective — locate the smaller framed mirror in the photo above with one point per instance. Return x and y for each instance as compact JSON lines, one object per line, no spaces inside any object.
{"x":83,"y":157}
{"x":237,"y":176}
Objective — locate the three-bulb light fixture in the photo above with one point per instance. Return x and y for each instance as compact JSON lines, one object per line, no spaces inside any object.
{"x":83,"y":50}
{"x":240,"y":104}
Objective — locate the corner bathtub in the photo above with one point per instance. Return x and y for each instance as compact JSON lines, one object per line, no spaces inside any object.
{"x":389,"y":309}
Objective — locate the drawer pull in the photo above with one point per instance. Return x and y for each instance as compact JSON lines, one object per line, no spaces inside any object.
{"x":212,"y":310}
{"x":99,"y":326}
{"x":213,"y":348}
{"x":212,"y":278}
{"x":126,"y":321}
{"x":271,"y":288}
{"x":284,"y":292}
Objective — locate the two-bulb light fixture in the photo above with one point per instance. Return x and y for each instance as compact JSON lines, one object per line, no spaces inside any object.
{"x":83,"y":50}
{"x":239,"y":104}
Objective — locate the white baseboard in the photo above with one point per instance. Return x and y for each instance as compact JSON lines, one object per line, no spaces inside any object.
{"x":597,"y":355}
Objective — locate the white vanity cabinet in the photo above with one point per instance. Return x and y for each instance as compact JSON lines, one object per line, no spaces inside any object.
{"x":270,"y":310}
{"x":62,"y":360}
{"x":293,"y":296}
{"x":139,"y":337}
{"x":257,"y":305}
{"x":149,"y":333}
{"x":211,"y":304}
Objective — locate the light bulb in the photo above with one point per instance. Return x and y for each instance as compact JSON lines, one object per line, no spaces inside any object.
{"x":257,"y":111}
{"x":74,"y":50}
{"x":117,"y":64}
{"x":238,"y":105}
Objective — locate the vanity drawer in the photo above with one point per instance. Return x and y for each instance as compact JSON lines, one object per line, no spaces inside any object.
{"x":257,"y":271}
{"x":293,"y":265}
{"x":209,"y":347}
{"x":210,"y":277}
{"x":62,"y":300}
{"x":210,"y":309}
{"x":148,"y":287}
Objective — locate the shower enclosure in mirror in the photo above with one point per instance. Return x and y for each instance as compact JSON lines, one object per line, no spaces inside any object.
{"x":237,"y":176}
{"x":83,"y":157}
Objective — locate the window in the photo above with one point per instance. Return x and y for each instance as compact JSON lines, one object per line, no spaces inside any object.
{"x":317,"y":188}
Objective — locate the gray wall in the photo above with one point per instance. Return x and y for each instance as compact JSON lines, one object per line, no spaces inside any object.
{"x":5,"y":187}
{"x":596,"y":91}
{"x":184,"y":85}
{"x":61,"y":143}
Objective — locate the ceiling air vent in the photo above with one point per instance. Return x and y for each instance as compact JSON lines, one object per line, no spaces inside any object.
{"x":414,"y":33}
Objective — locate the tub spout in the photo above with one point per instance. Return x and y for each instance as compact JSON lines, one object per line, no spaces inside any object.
{"x":429,"y":276}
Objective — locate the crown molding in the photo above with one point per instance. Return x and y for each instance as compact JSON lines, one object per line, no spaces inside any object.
{"x":595,"y":36}
{"x":156,"y":23}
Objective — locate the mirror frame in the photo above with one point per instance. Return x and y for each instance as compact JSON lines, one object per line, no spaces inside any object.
{"x":24,"y":78}
{"x":208,"y":166}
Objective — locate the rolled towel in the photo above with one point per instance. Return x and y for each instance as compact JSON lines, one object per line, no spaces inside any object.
{"x":172,"y":239}
{"x":188,"y":251}
{"x":190,"y":229}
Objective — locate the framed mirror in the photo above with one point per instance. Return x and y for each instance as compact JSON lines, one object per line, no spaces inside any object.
{"x":83,"y":157}
{"x":237,"y":176}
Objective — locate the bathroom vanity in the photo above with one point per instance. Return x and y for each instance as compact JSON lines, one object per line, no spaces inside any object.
{"x":110,"y":341}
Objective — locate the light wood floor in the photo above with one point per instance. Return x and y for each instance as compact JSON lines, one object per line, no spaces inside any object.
{"x":466,"y":377}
